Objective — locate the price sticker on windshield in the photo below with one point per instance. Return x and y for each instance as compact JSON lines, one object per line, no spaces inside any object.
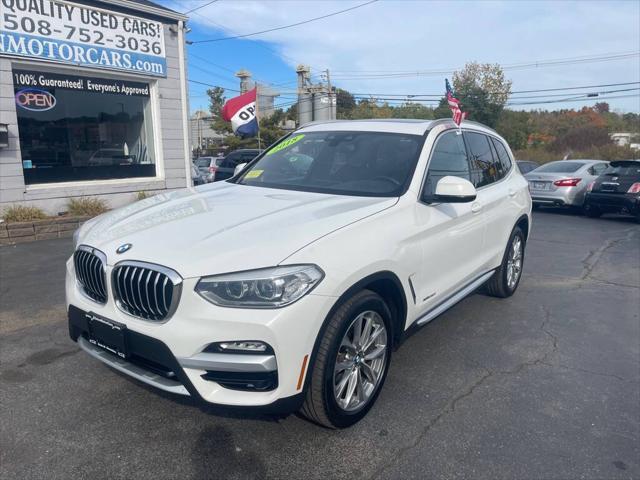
{"x":253,"y":174}
{"x":285,"y":144}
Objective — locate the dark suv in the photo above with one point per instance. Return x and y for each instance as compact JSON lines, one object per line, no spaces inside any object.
{"x":617,"y":190}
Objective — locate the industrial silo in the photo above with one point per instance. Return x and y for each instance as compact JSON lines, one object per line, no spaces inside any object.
{"x":322,"y":107}
{"x":305,"y":108}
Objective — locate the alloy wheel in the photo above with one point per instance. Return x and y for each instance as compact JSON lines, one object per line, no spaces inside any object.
{"x":514,"y":262}
{"x":360,"y":362}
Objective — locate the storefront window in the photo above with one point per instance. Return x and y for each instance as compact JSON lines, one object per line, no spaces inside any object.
{"x":75,"y":128}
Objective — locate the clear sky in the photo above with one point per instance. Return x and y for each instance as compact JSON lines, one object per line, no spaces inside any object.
{"x":403,"y":47}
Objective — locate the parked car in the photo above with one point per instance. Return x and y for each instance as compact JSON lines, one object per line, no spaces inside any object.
{"x":207,"y":167}
{"x":526,"y":166}
{"x":617,"y":190}
{"x":563,"y":183}
{"x":222,"y":168}
{"x":339,"y":241}
{"x":196,"y":176}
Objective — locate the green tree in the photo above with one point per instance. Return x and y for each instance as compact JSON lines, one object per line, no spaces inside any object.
{"x":345,"y":104}
{"x":412,"y":110}
{"x":514,"y":127}
{"x":216,"y":102}
{"x":270,"y":128}
{"x":442,"y":110}
{"x":483,"y":91}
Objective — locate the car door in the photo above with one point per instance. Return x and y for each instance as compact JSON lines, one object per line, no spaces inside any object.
{"x":494,"y":193}
{"x":451,"y":234}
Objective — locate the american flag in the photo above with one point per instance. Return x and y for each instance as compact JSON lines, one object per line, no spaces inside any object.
{"x":454,"y":104}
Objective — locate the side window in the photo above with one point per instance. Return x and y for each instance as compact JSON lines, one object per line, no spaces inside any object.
{"x":598,"y":169}
{"x":449,"y":157}
{"x":483,"y":165}
{"x":230,"y":161}
{"x":503,"y":156}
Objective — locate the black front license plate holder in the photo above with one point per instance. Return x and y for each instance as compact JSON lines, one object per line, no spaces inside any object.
{"x":107,"y":334}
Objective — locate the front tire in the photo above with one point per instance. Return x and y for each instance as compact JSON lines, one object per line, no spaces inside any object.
{"x":351,"y":362}
{"x":506,"y":279}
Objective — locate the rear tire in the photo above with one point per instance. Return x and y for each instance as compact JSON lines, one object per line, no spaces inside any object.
{"x":506,"y":278}
{"x":591,"y":211}
{"x":340,"y":354}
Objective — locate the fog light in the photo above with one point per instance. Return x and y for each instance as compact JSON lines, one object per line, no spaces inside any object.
{"x":245,"y":346}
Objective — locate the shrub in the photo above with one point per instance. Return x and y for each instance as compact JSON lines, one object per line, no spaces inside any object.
{"x":142,"y":195}
{"x":22,"y":213}
{"x":86,"y":206}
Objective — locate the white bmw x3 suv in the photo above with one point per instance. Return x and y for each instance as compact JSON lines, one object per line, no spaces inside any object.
{"x":289,"y":286}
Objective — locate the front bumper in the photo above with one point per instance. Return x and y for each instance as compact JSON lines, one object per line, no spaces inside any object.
{"x":615,"y":202}
{"x":173,"y":355}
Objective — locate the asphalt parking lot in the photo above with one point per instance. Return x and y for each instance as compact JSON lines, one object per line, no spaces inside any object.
{"x":544,"y":385}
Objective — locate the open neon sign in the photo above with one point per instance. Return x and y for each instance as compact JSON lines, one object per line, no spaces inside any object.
{"x":35,"y":99}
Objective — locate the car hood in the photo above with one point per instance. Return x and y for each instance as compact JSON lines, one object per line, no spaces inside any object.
{"x":223,"y":227}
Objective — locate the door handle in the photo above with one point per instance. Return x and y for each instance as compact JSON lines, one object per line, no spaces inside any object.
{"x":512,"y":193}
{"x":476,"y":207}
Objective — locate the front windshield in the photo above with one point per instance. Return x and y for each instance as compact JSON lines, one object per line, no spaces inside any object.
{"x":343,"y":163}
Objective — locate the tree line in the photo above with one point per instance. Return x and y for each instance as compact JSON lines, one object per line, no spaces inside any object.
{"x":540,"y":135}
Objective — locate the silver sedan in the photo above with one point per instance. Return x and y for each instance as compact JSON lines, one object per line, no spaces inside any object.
{"x":563,"y":183}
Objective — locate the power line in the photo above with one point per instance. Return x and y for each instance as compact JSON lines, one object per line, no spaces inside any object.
{"x":258,"y":44}
{"x":562,"y":100}
{"x":511,"y":65}
{"x":463,"y":97}
{"x":440,"y":95}
{"x":287,"y":26}
{"x":201,"y":6}
{"x":213,"y":86}
{"x":363,"y":75}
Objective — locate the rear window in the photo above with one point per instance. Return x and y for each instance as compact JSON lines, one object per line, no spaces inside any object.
{"x":624,"y":169}
{"x":203,"y":162}
{"x":560,"y":167}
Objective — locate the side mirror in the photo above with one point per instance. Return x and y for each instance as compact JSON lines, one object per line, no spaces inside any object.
{"x":454,"y":190}
{"x":239,"y":168}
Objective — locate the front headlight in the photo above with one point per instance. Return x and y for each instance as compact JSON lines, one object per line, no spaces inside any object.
{"x":265,"y":288}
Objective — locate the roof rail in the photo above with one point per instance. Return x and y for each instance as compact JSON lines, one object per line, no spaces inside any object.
{"x":447,"y":121}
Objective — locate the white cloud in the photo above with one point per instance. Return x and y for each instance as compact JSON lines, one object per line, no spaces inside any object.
{"x":427,"y":35}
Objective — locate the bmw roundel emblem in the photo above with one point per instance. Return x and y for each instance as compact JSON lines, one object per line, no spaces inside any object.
{"x":124,"y":248}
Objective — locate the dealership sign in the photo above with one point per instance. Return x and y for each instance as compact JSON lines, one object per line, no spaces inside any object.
{"x":77,"y":34}
{"x":31,"y":81}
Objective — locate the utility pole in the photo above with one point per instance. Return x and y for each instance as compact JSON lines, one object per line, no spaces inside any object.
{"x":333,"y":99}
{"x":326,"y":72}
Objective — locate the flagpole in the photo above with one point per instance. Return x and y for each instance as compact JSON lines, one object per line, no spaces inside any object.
{"x":258,"y":121}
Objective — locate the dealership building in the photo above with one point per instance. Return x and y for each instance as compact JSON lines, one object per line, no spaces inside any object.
{"x":93,"y":101}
